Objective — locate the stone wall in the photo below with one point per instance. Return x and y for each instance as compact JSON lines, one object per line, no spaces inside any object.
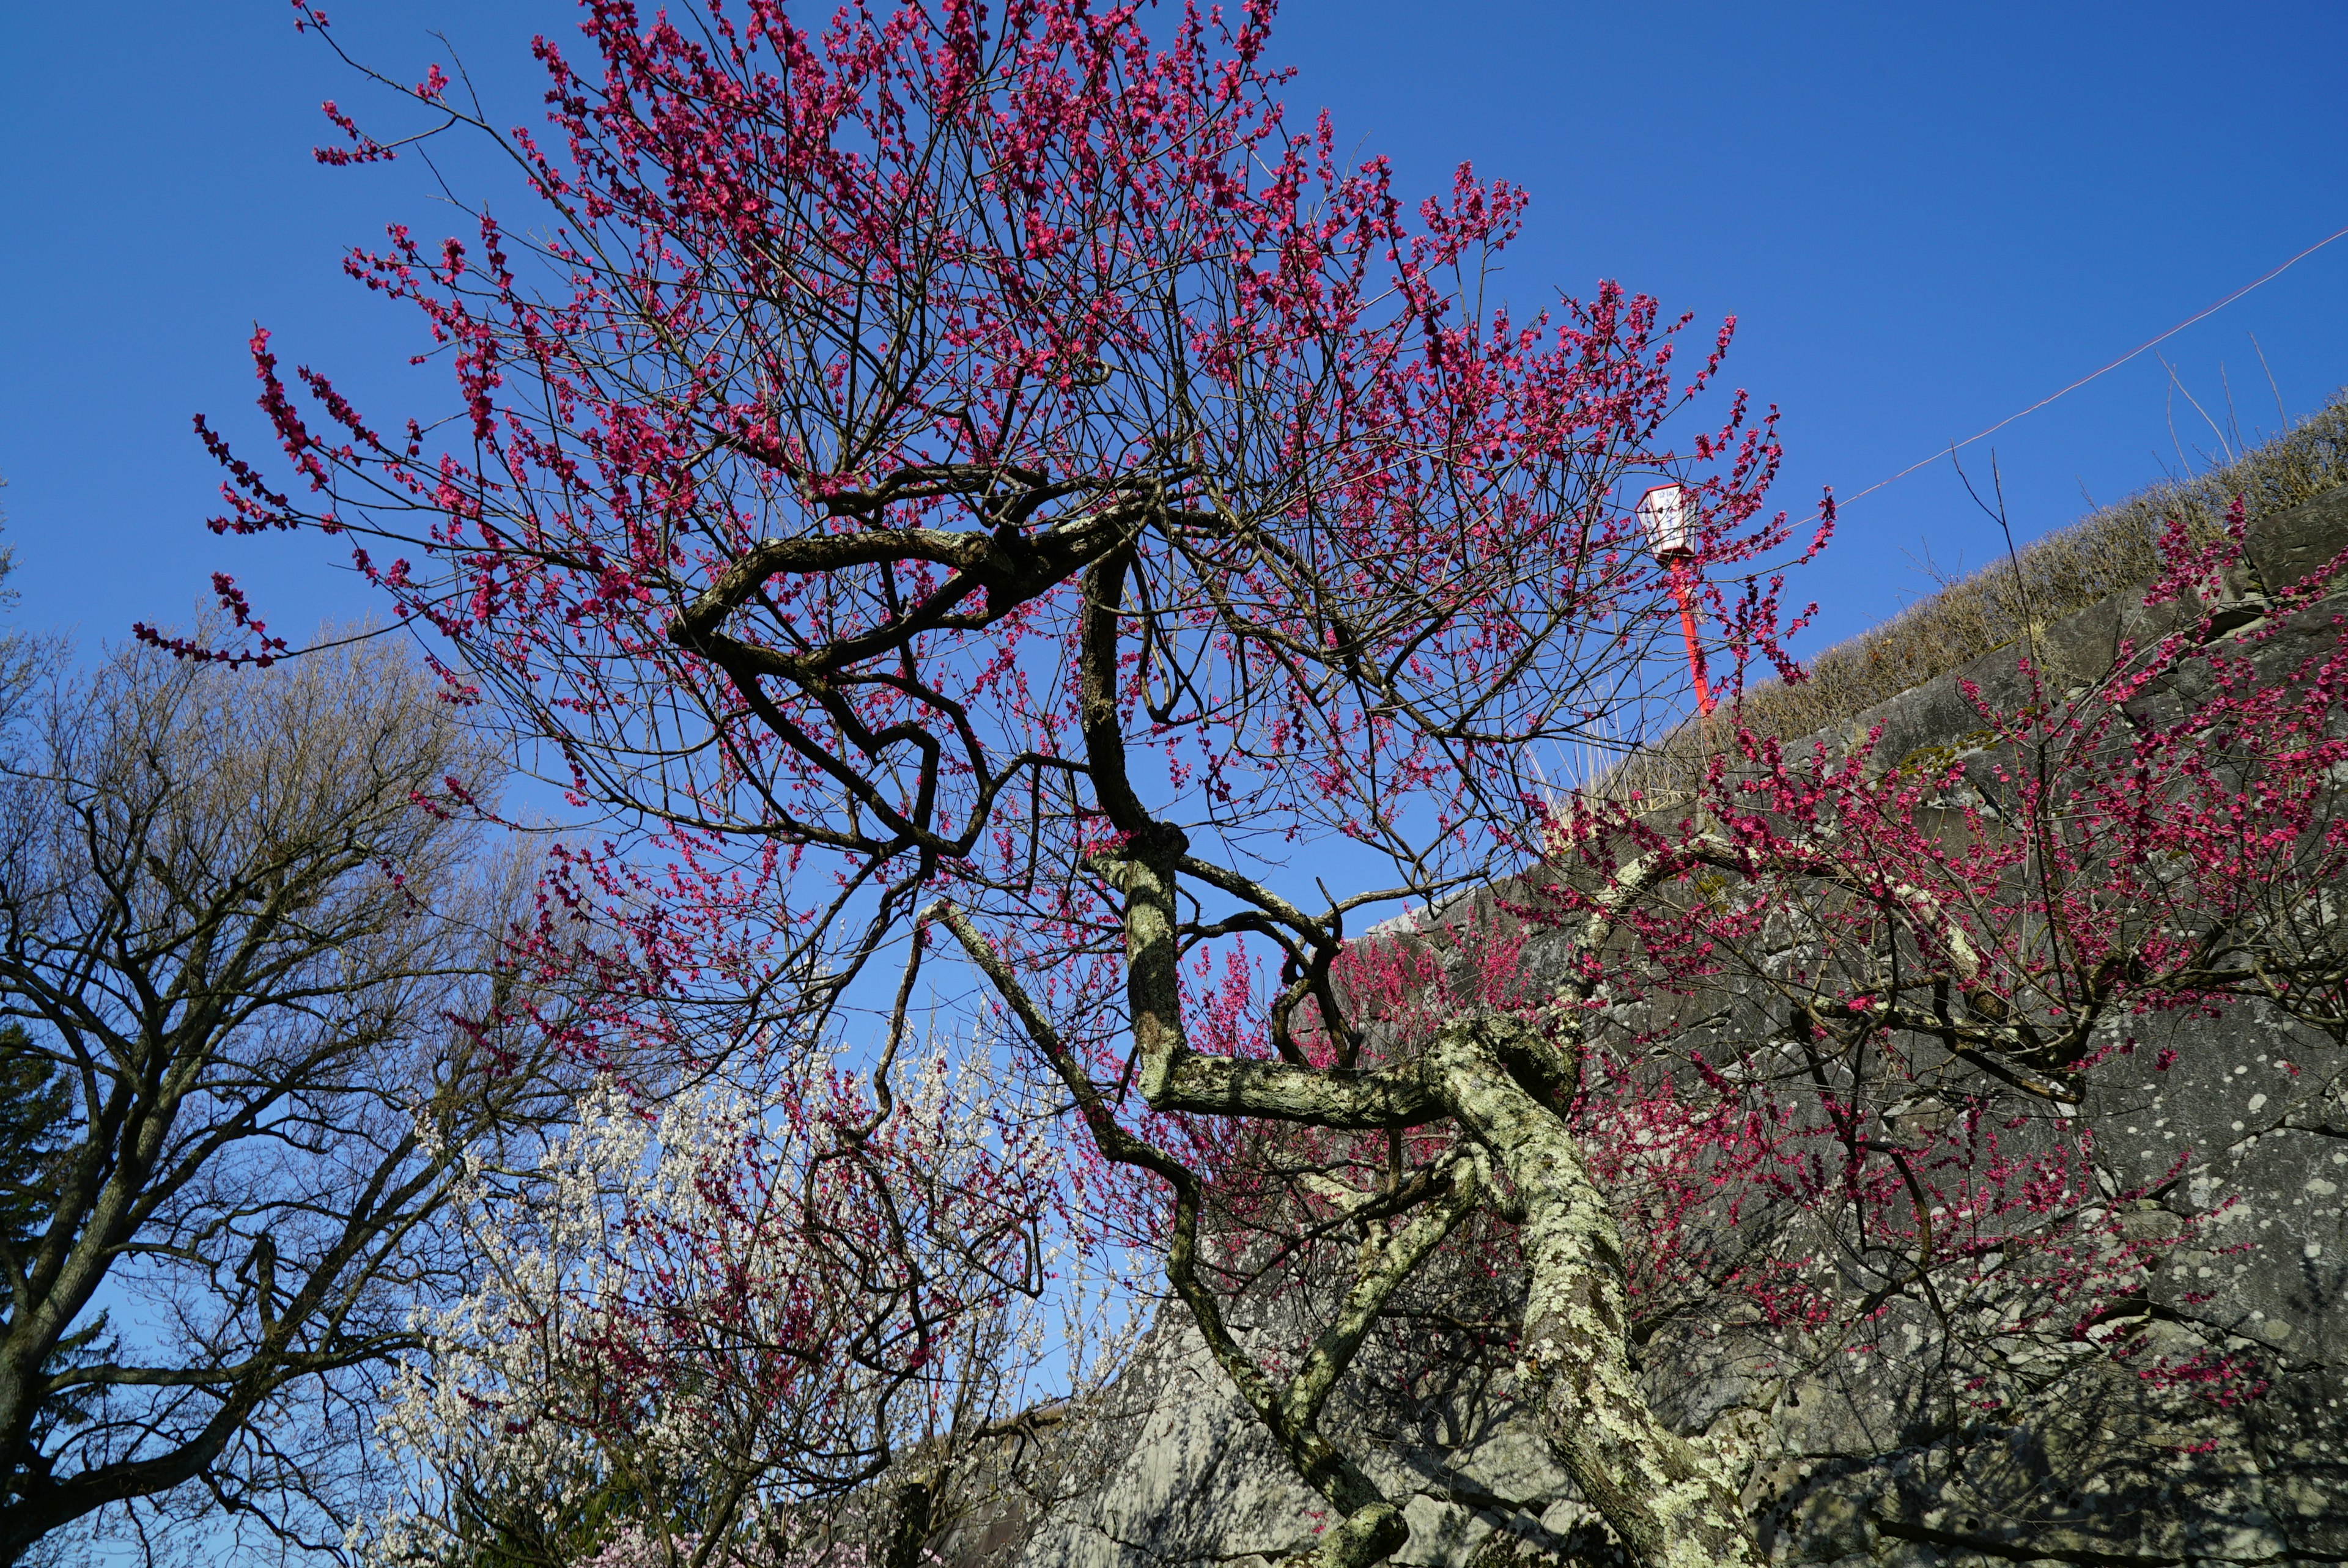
{"x":1872,"y":1460}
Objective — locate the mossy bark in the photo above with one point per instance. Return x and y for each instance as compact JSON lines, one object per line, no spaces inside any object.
{"x":1667,"y":1498}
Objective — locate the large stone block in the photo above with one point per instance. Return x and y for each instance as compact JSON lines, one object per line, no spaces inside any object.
{"x":2286,"y":545}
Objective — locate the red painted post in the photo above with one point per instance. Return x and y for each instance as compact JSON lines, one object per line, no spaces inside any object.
{"x":1680,"y":587}
{"x":1664,"y":512}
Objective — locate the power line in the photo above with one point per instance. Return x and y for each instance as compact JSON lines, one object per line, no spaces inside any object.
{"x":2149,"y":343}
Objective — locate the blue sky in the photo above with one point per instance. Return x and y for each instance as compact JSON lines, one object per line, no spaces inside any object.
{"x":1924,"y":217}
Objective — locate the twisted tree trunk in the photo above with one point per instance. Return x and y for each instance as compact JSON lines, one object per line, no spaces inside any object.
{"x":1667,"y":1497}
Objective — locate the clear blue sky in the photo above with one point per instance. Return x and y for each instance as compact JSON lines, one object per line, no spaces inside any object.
{"x":1926,"y":217}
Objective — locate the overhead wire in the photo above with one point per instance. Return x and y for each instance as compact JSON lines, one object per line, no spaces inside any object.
{"x":2151,"y":342}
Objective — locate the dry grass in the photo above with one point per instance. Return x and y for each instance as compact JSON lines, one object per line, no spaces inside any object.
{"x":2068,"y":569}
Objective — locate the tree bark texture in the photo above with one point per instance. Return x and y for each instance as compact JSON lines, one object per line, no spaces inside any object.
{"x":1665,"y":1496}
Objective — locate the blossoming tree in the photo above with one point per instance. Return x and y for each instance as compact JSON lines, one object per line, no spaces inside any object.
{"x":1025,"y":500}
{"x":698,"y":1330}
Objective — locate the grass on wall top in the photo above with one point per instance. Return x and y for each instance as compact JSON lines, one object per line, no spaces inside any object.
{"x":2069,"y":570}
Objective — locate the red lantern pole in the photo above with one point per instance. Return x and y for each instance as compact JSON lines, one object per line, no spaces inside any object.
{"x":1682,"y":590}
{"x":1664,"y":512}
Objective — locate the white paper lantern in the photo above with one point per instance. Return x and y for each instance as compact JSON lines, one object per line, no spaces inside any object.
{"x":1664,"y":512}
